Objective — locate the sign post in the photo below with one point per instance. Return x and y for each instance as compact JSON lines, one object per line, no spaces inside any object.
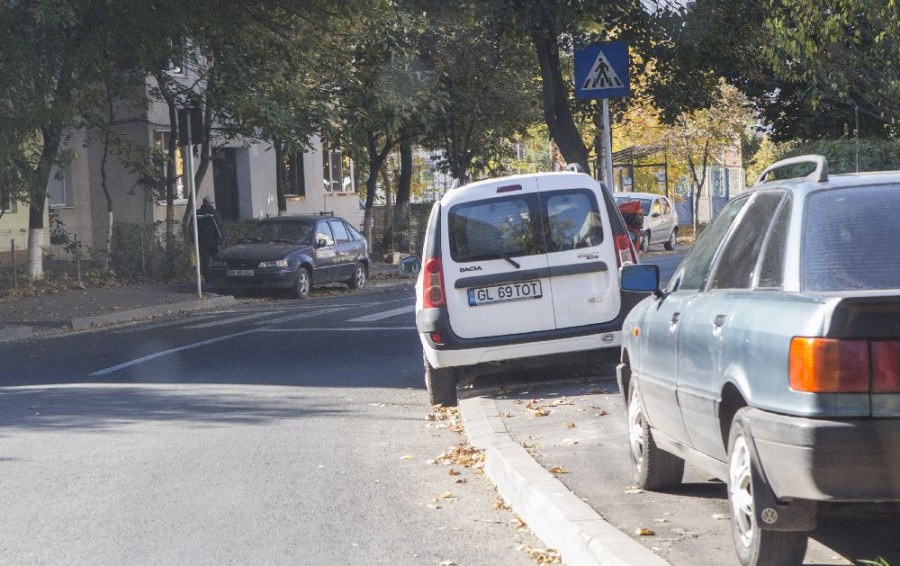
{"x":601,"y":71}
{"x":190,"y":122}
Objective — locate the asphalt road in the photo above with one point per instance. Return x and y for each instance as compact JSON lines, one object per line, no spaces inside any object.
{"x":294,"y":432}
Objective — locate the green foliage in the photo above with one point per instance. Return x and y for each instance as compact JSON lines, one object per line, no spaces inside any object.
{"x":874,"y":154}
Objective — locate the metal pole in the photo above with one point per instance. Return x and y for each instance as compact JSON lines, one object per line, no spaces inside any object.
{"x":12,"y":247}
{"x":78,"y":262}
{"x":607,"y":145}
{"x":189,"y":177}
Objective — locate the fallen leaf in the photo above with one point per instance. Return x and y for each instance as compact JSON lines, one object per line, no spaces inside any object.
{"x":644,"y":532}
{"x":571,"y":425}
{"x":406,"y":457}
{"x":447,"y":495}
{"x":558,"y":470}
{"x":453,"y":472}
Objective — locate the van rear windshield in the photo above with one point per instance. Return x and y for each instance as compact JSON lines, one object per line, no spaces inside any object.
{"x":523,"y":225}
{"x":848,"y":235}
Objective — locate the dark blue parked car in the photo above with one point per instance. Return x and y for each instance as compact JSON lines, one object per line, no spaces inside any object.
{"x":293,"y":253}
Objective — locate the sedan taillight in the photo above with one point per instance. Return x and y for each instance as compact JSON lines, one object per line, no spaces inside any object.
{"x":433,"y":283}
{"x":826,"y":365}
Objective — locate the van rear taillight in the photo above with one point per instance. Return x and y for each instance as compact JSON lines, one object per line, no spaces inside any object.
{"x":624,"y":250}
{"x":885,"y":366}
{"x":824,"y":365}
{"x":433,"y":283}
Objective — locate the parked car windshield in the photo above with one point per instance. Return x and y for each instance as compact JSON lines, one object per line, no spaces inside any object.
{"x":645,"y":203}
{"x":289,"y":232}
{"x":847,"y":238}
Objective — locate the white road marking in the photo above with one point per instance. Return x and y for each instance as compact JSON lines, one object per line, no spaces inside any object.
{"x":346,"y":329}
{"x":167,"y":352}
{"x":385,"y":314}
{"x":302,"y":315}
{"x":233,"y":319}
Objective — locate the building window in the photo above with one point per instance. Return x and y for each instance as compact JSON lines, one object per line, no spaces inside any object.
{"x":7,"y":204}
{"x":59,"y":187}
{"x":337,"y":172}
{"x":175,"y":65}
{"x":161,"y":144}
{"x":295,"y":185}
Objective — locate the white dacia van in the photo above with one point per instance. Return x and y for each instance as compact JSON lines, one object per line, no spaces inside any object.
{"x":519,"y":270}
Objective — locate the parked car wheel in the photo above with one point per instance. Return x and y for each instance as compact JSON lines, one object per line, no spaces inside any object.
{"x":754,"y":546}
{"x":645,"y":241}
{"x":653,"y":468}
{"x":441,"y":385}
{"x":358,"y":281}
{"x":304,"y":283}
{"x":670,"y":243}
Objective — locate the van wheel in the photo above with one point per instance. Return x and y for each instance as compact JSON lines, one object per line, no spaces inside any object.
{"x":670,"y":243}
{"x":358,"y":281}
{"x":645,"y":241}
{"x":441,"y":385}
{"x":303,"y":284}
{"x":754,"y":546}
{"x":653,"y":468}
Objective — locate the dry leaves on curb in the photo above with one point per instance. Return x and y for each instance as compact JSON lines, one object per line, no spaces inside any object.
{"x":541,"y":555}
{"x":644,"y":532}
{"x":558,"y":470}
{"x":445,"y":417}
{"x":462,"y":455}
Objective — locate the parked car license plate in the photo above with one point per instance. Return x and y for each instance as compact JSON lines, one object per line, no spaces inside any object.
{"x":501,"y":293}
{"x":239,"y":273}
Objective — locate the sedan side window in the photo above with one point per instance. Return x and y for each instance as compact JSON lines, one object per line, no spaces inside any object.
{"x":740,"y":254}
{"x":323,"y":232}
{"x":340,"y":233}
{"x":693,"y":271}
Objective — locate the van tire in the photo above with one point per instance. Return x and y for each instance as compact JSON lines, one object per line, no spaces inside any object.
{"x":441,"y":385}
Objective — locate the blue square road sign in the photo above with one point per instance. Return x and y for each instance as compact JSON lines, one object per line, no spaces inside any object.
{"x":601,"y":71}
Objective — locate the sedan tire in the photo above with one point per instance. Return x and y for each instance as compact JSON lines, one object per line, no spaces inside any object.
{"x":358,"y":281}
{"x":303,"y":284}
{"x":670,"y":243}
{"x":754,"y":546}
{"x":441,"y":385}
{"x":653,"y":468}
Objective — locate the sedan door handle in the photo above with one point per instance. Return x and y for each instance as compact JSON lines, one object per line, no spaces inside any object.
{"x":675,"y":317}
{"x":720,"y":320}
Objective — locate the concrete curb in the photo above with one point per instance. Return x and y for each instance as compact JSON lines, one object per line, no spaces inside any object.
{"x":85,"y":322}
{"x":556,"y":515}
{"x":10,"y":333}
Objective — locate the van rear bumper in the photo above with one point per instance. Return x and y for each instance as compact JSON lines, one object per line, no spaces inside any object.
{"x":503,"y":353}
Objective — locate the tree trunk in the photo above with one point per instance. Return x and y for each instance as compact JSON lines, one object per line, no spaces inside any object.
{"x":404,"y":188}
{"x":38,"y":202}
{"x":162,"y":80}
{"x":555,"y":92}
{"x":377,"y":158}
{"x":280,"y":177}
{"x":110,"y":117}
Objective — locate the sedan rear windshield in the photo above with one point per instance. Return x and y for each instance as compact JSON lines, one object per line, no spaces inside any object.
{"x":850,"y":239}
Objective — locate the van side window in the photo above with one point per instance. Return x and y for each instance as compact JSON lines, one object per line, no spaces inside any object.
{"x":498,"y":227}
{"x":574,"y":221}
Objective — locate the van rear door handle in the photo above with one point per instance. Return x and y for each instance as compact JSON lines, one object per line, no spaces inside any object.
{"x":720,"y":320}
{"x":675,"y":317}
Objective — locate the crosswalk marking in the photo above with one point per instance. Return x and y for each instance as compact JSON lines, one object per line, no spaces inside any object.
{"x":384,"y":315}
{"x":302,"y":315}
{"x":232,"y":320}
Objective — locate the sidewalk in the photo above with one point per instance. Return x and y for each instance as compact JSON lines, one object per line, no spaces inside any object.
{"x":80,"y":309}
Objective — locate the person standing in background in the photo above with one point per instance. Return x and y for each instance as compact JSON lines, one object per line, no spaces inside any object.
{"x":210,"y":233}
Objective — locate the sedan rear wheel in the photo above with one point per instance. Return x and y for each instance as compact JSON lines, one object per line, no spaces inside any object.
{"x":754,"y":546}
{"x":358,"y":281}
{"x":303,"y":284}
{"x":653,"y":468}
{"x":670,"y":243}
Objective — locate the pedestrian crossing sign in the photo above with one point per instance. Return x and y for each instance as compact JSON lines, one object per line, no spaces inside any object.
{"x":601,"y":71}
